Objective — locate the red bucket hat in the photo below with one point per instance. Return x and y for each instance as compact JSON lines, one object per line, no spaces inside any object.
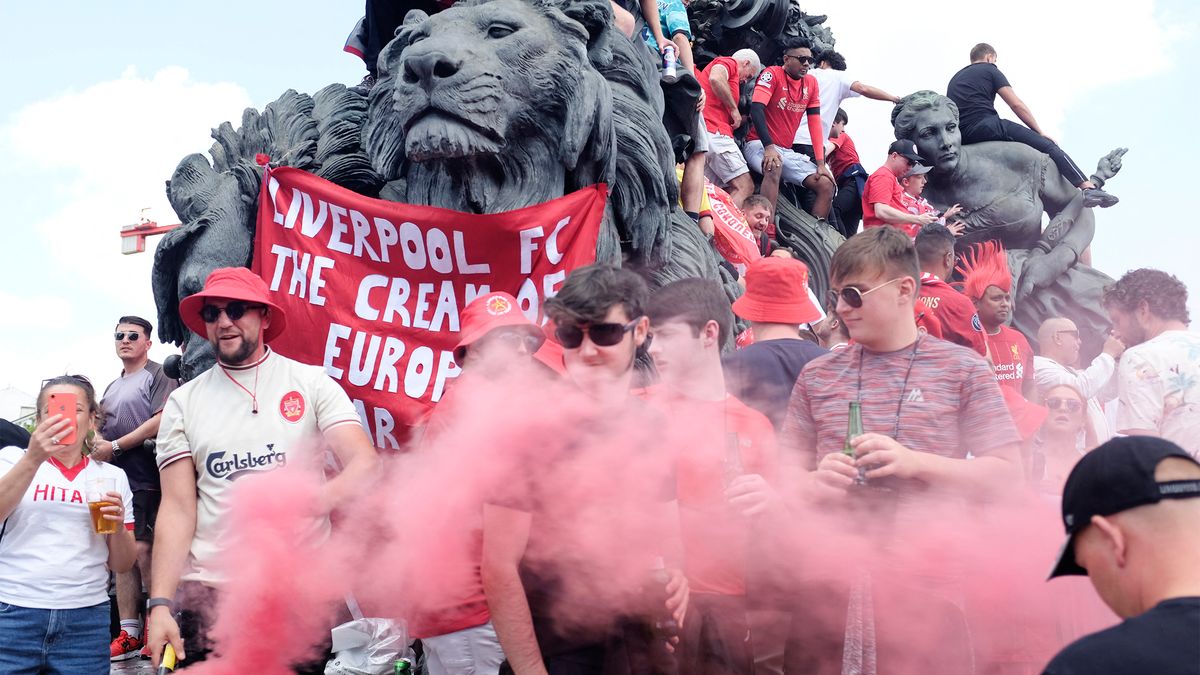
{"x":232,"y":283}
{"x":777,"y":292}
{"x":487,"y":313}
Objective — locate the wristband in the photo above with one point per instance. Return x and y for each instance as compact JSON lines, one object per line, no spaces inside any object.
{"x":157,"y":602}
{"x":116,"y":447}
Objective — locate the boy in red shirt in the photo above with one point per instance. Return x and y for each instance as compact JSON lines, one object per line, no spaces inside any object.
{"x":782,"y":96}
{"x":988,"y":282}
{"x":725,"y":458}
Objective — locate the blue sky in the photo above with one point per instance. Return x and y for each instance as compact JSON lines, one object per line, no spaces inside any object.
{"x":93,"y":123}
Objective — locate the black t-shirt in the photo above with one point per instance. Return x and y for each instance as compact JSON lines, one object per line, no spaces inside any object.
{"x":592,"y":542}
{"x":763,"y":374}
{"x":1163,"y":641}
{"x":973,"y":89}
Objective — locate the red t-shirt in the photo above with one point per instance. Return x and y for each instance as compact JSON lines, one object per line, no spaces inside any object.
{"x":786,"y":101}
{"x":1012,"y":357}
{"x":716,"y":115}
{"x":844,"y":156}
{"x":960,"y":323}
{"x":715,"y":536}
{"x":883,"y":188}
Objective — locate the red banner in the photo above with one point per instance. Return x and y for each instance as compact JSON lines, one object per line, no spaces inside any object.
{"x":373,"y":289}
{"x":734,"y":239}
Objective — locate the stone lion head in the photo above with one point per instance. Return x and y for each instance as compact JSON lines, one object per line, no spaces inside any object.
{"x":488,"y":106}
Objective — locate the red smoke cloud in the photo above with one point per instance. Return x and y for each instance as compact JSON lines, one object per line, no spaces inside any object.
{"x":951,"y":580}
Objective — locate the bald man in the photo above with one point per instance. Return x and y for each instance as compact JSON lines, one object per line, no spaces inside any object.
{"x":1058,"y":347}
{"x":1130,"y":508}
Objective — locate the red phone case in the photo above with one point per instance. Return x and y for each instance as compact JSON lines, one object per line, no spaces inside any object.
{"x":64,"y":404}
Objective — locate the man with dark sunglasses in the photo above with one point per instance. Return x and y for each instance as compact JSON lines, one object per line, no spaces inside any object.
{"x":1058,"y":346}
{"x":550,"y":581}
{"x":782,"y":96}
{"x":252,"y":412}
{"x":132,"y":404}
{"x":926,"y":404}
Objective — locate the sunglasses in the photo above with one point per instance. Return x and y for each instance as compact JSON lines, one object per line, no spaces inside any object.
{"x":801,"y":59}
{"x":512,"y":340}
{"x":601,"y":334}
{"x":133,"y":336}
{"x":68,"y":379}
{"x":234,"y":310}
{"x":854,"y":297}
{"x":1069,"y":404}
{"x":1072,"y":333}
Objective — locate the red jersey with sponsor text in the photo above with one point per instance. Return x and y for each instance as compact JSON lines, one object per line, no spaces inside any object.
{"x":1012,"y":357}
{"x":960,"y":323}
{"x":785,"y":100}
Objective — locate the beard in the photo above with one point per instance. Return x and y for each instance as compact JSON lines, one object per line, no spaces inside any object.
{"x":239,"y":355}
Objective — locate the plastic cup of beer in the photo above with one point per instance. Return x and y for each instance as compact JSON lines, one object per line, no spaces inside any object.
{"x":97,"y":497}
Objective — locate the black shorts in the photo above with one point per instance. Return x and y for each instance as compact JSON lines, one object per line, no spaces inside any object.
{"x":145,"y":512}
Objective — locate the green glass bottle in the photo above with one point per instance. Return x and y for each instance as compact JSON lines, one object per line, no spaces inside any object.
{"x":403,"y":667}
{"x":854,"y":427}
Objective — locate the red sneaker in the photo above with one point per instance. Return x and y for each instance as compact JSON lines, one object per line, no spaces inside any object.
{"x":125,"y":646}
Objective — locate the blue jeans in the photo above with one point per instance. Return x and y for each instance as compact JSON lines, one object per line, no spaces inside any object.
{"x":54,"y":641}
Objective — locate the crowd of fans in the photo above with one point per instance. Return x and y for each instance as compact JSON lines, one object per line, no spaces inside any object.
{"x":906,"y":389}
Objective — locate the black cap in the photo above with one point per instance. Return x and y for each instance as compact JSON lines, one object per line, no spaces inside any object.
{"x":906,"y":149}
{"x":1115,"y":477}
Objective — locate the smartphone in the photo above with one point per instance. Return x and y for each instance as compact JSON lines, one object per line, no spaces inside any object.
{"x":64,"y":404}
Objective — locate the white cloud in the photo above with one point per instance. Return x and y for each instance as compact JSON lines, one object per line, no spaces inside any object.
{"x":1054,"y":53}
{"x":106,"y":152}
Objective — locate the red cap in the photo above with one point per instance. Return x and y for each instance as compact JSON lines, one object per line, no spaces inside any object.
{"x":487,"y":313}
{"x":777,"y":292}
{"x":232,"y":283}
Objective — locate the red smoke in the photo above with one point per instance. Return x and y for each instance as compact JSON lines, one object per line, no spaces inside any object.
{"x":410,"y":545}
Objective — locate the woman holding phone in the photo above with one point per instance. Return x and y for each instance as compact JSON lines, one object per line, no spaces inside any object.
{"x":54,"y":553}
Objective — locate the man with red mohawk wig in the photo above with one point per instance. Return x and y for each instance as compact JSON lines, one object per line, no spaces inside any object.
{"x":988,"y":282}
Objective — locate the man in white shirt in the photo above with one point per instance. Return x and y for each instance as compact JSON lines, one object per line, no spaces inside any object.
{"x":835,"y":86}
{"x":1058,"y":344}
{"x":1159,"y":375}
{"x":250,"y":413}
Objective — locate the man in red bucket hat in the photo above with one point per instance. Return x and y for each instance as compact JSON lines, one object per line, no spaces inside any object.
{"x":251,"y":413}
{"x":776,"y":302}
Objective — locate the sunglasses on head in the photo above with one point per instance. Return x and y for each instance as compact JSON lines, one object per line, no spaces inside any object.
{"x":133,"y":336}
{"x":1069,"y":404}
{"x":235,"y":310}
{"x":854,"y":297}
{"x":601,"y":334}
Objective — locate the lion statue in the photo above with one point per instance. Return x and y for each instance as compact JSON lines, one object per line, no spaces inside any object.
{"x":488,"y":106}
